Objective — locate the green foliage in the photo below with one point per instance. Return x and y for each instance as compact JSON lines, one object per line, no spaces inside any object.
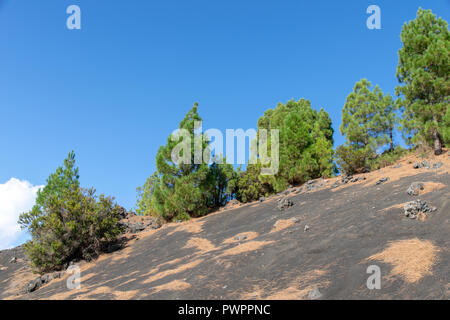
{"x":185,"y":190}
{"x":248,"y":185}
{"x":386,"y":158}
{"x":369,"y":119}
{"x":218,"y":181}
{"x":423,"y":70}
{"x":68,"y":222}
{"x":145,"y":199}
{"x":180,"y":190}
{"x":305,"y":150}
{"x":351,"y":159}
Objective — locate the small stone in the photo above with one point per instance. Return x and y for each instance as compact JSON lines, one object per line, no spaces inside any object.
{"x":240,"y":238}
{"x":437,"y":165}
{"x":382,"y":180}
{"x":306,"y":228}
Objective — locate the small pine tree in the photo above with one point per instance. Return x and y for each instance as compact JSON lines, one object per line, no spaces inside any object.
{"x":68,"y":222}
{"x":183,"y":190}
{"x":369,"y":119}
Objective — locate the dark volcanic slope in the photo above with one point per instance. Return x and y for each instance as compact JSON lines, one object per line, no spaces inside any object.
{"x":347,"y":225}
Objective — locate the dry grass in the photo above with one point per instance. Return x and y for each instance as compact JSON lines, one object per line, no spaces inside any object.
{"x":411,"y":259}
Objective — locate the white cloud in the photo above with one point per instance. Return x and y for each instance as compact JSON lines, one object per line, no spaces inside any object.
{"x":16,"y":197}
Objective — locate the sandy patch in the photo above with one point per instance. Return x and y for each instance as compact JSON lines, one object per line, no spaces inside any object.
{"x":175,"y":285}
{"x":191,"y":226}
{"x":406,"y":170}
{"x":245,"y":236}
{"x":301,"y":286}
{"x":201,"y":244}
{"x":246,"y":247}
{"x":298,"y":289}
{"x":431,"y":186}
{"x":166,"y":273}
{"x":20,"y":278}
{"x":282,"y":224}
{"x":395,"y":206}
{"x":411,"y":259}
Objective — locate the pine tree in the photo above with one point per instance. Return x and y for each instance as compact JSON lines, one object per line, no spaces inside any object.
{"x":68,"y":222}
{"x":305,"y":148}
{"x":369,"y":119}
{"x":183,"y":189}
{"x":423,"y":71}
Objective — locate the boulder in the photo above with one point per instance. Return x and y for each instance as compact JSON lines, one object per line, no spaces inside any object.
{"x":285,"y":204}
{"x":314,"y":294}
{"x":413,"y":208}
{"x":414,"y":188}
{"x":136,"y":227}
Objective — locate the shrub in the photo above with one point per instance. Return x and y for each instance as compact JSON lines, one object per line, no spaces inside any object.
{"x":68,"y":222}
{"x":351,"y":160}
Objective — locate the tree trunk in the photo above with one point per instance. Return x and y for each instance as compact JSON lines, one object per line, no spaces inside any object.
{"x":437,"y":142}
{"x":391,"y":140}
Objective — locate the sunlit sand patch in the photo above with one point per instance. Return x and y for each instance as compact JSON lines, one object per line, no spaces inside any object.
{"x":282,"y":224}
{"x":201,"y":244}
{"x":298,"y":289}
{"x":87,"y":277}
{"x":395,"y":174}
{"x":245,"y":236}
{"x":175,"y":285}
{"x":431,"y":186}
{"x":301,"y":286}
{"x":246,"y":247}
{"x":395,"y":206}
{"x":158,"y":267}
{"x":166,"y":273}
{"x":411,"y":259}
{"x":191,"y":226}
{"x":19,"y":279}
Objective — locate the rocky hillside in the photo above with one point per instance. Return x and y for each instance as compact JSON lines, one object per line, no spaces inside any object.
{"x":311,"y":242}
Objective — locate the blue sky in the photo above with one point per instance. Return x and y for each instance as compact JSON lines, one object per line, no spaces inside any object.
{"x":114,"y":90}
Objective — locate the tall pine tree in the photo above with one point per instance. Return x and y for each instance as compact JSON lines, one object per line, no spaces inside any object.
{"x":423,"y":71}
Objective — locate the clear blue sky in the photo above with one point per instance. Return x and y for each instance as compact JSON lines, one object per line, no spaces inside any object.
{"x":114,"y":90}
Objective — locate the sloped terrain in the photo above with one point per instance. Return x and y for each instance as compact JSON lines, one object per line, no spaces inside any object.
{"x":320,"y":247}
